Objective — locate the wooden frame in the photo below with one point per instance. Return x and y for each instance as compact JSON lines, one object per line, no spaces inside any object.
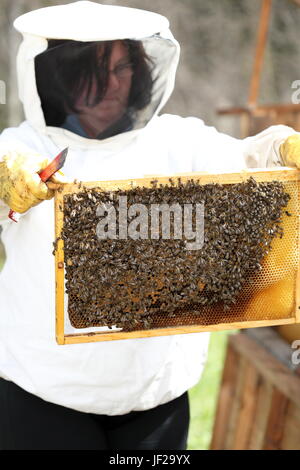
{"x":255,"y":117}
{"x":281,"y":174}
{"x":260,"y":51}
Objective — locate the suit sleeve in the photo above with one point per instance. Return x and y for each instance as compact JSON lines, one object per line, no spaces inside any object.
{"x":6,"y":146}
{"x":207,"y":149}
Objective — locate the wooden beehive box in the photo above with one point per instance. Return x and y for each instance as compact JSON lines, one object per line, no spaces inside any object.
{"x":271,"y":299}
{"x":259,"y":399}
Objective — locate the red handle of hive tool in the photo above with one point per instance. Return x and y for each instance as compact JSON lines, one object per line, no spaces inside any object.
{"x":45,"y":174}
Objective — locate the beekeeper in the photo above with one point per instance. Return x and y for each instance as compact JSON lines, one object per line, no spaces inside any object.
{"x":94,"y":78}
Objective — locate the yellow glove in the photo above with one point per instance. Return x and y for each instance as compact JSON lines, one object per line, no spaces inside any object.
{"x":290,"y":151}
{"x":20,"y":185}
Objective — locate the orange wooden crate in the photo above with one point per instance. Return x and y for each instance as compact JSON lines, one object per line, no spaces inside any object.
{"x":259,"y":400}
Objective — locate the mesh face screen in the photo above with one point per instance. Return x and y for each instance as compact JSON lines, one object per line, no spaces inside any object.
{"x":109,"y":286}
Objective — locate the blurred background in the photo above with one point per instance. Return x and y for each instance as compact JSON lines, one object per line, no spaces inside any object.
{"x":218,"y":42}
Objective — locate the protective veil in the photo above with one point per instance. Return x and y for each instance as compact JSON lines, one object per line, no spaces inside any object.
{"x":120,"y":376}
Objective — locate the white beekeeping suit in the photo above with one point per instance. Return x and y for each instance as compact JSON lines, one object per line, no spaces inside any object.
{"x":116,"y":377}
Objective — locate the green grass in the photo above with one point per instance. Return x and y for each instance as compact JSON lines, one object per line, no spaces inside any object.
{"x":203,"y":397}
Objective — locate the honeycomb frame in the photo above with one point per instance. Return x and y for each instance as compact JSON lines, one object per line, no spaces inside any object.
{"x":282,"y":174}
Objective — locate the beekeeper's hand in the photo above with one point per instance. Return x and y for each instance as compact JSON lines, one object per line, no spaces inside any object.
{"x":20,"y":185}
{"x":290,"y":151}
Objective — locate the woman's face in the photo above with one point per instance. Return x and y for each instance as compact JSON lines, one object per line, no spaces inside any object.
{"x":111,"y":108}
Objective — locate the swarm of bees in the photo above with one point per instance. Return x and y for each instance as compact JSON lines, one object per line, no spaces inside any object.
{"x":125,"y":283}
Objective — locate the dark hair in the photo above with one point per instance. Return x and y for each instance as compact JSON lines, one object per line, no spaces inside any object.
{"x":67,"y":66}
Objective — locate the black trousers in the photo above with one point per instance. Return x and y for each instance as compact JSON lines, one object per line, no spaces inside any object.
{"x":30,"y":423}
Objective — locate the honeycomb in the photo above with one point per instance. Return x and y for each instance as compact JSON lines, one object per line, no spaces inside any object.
{"x":268,"y":290}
